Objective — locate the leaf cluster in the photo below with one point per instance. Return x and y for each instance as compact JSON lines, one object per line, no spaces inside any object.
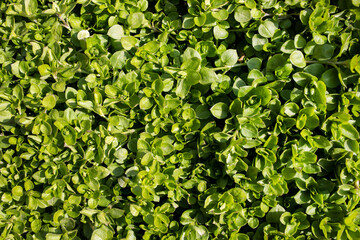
{"x":168,"y":119}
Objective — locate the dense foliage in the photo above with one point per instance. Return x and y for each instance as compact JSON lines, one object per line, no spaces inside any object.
{"x":170,"y":119}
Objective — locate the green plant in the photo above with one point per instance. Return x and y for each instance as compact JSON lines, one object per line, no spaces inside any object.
{"x":222,"y":119}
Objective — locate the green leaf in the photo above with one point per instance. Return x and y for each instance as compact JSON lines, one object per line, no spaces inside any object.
{"x":69,"y":134}
{"x":17,"y":191}
{"x":188,"y":22}
{"x":323,"y":52}
{"x":30,"y":7}
{"x":288,"y":47}
{"x":190,"y":53}
{"x":102,"y":233}
{"x":320,"y":141}
{"x":182,"y":88}
{"x":119,"y":122}
{"x":202,"y":112}
{"x":5,"y":116}
{"x":220,"y":33}
{"x":229,"y":57}
{"x":273,"y":216}
{"x":67,"y":224}
{"x":199,"y":20}
{"x":239,"y":236}
{"x":330,"y":78}
{"x":83,"y":34}
{"x":308,"y":157}
{"x":250,"y":4}
{"x":267,"y":29}
{"x":36,"y":225}
{"x":118,"y":59}
{"x":208,"y":76}
{"x":116,"y":32}
{"x":253,"y":222}
{"x":116,"y":212}
{"x":192,"y":77}
{"x":351,"y":145}
{"x":221,"y":137}
{"x":291,"y":229}
{"x":151,"y":47}
{"x":263,"y":93}
{"x":297,"y":59}
{"x":158,"y":86}
{"x":195,"y":232}
{"x":349,"y":131}
{"x":254,"y":63}
{"x":59,"y":86}
{"x":242,"y":14}
{"x":136,"y":20}
{"x":191,"y":64}
{"x":128,"y":42}
{"x":238,"y":194}
{"x":53,"y":236}
{"x":291,"y":109}
{"x":3,"y":181}
{"x":275,"y":61}
{"x":219,"y":110}
{"x":49,"y":102}
{"x":248,"y":130}
{"x":292,"y":2}
{"x":220,"y":15}
{"x":258,"y":42}
{"x":44,"y":70}
{"x":299,"y":41}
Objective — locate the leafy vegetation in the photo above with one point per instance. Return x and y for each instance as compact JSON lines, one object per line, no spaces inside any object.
{"x":169,"y":119}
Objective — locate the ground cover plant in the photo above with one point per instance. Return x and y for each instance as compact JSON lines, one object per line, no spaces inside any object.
{"x":169,"y":119}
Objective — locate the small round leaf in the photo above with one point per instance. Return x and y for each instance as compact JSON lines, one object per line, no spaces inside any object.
{"x":49,"y":102}
{"x":219,"y":110}
{"x":297,"y":59}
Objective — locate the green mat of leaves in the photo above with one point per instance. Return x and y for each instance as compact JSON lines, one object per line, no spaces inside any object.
{"x":170,"y":119}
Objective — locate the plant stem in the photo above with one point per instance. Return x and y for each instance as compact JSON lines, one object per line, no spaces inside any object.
{"x":174,"y":39}
{"x":65,"y":24}
{"x":329,"y":62}
{"x":239,"y":30}
{"x":229,"y":67}
{"x":173,"y":68}
{"x":214,"y":69}
{"x":280,"y":16}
